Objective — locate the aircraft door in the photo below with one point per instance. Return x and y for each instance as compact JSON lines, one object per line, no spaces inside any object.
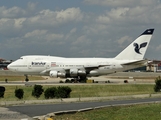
{"x":29,"y":64}
{"x":48,"y":65}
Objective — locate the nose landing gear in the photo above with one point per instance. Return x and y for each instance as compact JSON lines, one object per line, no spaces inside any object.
{"x":26,"y":79}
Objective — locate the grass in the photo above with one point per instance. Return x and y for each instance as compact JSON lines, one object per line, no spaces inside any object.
{"x":131,"y":112}
{"x":19,"y":78}
{"x":110,"y":90}
{"x":86,"y":91}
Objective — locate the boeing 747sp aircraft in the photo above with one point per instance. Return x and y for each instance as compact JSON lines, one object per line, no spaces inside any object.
{"x":79,"y":68}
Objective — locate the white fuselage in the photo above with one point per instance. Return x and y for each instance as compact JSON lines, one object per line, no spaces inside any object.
{"x":39,"y":65}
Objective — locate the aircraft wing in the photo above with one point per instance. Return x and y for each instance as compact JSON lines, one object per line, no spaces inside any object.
{"x":48,"y":70}
{"x":86,"y":68}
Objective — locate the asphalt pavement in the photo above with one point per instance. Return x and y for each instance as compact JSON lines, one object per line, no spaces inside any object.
{"x":42,"y":109}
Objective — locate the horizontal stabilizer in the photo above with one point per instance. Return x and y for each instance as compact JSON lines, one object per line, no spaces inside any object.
{"x":140,"y":62}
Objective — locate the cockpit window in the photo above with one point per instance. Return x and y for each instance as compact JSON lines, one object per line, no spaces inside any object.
{"x":21,"y":58}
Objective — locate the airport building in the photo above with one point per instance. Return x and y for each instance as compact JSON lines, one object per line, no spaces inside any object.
{"x":4,"y":63}
{"x":154,"y":66}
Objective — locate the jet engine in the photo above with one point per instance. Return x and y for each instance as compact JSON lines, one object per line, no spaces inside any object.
{"x":93,"y":73}
{"x":56,"y":74}
{"x":77,"y":72}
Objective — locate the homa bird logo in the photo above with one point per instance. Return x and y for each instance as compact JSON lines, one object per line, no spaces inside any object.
{"x":137,"y":47}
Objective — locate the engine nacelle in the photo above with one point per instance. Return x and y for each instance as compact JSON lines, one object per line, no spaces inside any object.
{"x":93,"y":73}
{"x":76,"y":72}
{"x":81,"y":72}
{"x":56,"y":74}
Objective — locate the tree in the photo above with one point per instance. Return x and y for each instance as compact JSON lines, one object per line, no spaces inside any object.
{"x":50,"y":92}
{"x":37,"y":91}
{"x":2,"y":90}
{"x":63,"y":92}
{"x":19,"y":93}
{"x":157,"y":87}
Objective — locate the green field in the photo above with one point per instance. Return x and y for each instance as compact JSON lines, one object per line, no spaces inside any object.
{"x":86,"y":91}
{"x":19,"y":78}
{"x":130,"y":112}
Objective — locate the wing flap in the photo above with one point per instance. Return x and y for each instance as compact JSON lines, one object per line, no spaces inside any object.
{"x":86,"y":67}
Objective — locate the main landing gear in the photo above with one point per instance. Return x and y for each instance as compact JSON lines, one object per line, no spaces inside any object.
{"x":79,"y":79}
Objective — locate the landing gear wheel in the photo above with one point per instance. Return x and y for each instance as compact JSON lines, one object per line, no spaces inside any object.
{"x":72,"y":80}
{"x":82,"y":79}
{"x":75,"y":80}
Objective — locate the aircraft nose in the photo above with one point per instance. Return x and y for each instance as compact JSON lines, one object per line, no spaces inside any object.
{"x":9,"y":67}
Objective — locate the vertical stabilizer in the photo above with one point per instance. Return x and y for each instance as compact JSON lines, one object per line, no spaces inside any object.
{"x":137,"y":49}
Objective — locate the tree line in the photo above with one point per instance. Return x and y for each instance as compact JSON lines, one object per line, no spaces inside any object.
{"x":49,"y":93}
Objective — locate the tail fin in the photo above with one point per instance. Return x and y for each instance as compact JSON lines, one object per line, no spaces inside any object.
{"x":136,"y":50}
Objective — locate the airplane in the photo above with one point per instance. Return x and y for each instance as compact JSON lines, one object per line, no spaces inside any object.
{"x":81,"y":68}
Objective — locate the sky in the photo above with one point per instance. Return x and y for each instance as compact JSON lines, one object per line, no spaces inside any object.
{"x":77,"y":28}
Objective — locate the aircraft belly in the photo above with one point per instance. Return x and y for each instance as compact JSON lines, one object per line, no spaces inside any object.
{"x":30,"y":71}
